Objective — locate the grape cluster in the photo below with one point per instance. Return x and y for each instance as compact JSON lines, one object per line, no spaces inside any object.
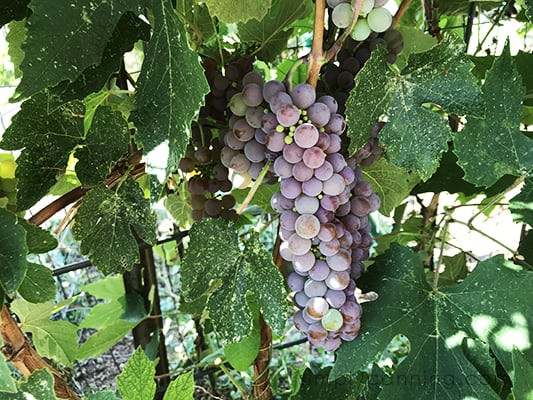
{"x":323,"y":202}
{"x":208,"y":178}
{"x":373,"y":17}
{"x":208,"y":183}
{"x":8,"y":193}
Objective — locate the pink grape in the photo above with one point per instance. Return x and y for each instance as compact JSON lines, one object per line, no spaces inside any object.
{"x":304,"y":262}
{"x":290,"y":188}
{"x":313,"y":157}
{"x":316,"y":307}
{"x":302,"y":172}
{"x":319,"y":114}
{"x":320,"y":271}
{"x":293,"y":153}
{"x":307,"y":226}
{"x":306,"y":135}
{"x":298,"y":245}
{"x":288,"y":115}
{"x":303,"y":95}
{"x":312,"y":187}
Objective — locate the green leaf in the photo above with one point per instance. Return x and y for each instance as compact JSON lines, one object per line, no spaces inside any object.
{"x":528,"y":7}
{"x":243,"y":353}
{"x":15,"y":37}
{"x":455,"y":269}
{"x":391,"y":183}
{"x":261,"y":197}
{"x":491,"y":147}
{"x":272,"y":32}
{"x":478,"y":353}
{"x":181,"y":388}
{"x":103,"y":395}
{"x":104,"y":224}
{"x":38,"y":285}
{"x":230,"y":11}
{"x":38,"y":240}
{"x":231,"y":274}
{"x":414,"y":41}
{"x":107,"y":140}
{"x":317,"y":387}
{"x":522,"y":204}
{"x":179,"y":207}
{"x":40,"y":385}
{"x":522,"y":376}
{"x":13,"y":251}
{"x":481,"y":307}
{"x":7,"y":384}
{"x":129,"y":30}
{"x":63,"y":41}
{"x":47,"y":137}
{"x":171,"y":87}
{"x":197,"y":20}
{"x":136,"y":382}
{"x":57,"y":340}
{"x":13,"y":9}
{"x":107,"y":318}
{"x":415,"y":136}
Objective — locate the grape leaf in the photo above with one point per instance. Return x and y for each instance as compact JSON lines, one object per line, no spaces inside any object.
{"x":171,"y":87}
{"x":414,"y":41}
{"x":7,"y":384}
{"x":38,"y":240}
{"x":522,"y":376}
{"x":129,"y":29}
{"x":391,"y":183}
{"x":197,"y":20}
{"x":231,"y":274}
{"x":62,"y":41}
{"x":47,"y":137}
{"x":231,"y":11}
{"x":15,"y":37}
{"x":522,"y":204}
{"x":136,"y":381}
{"x":491,"y":147}
{"x":182,"y":387}
{"x":478,"y":353}
{"x":261,"y":198}
{"x":455,"y":269}
{"x":179,"y":207}
{"x":104,"y":224}
{"x":522,"y":60}
{"x":13,"y":251}
{"x":481,"y":307}
{"x":57,"y":340}
{"x":38,"y":285}
{"x":272,"y":32}
{"x":13,"y":10}
{"x":528,"y":7}
{"x":243,"y":353}
{"x":107,"y":317}
{"x":316,"y":386}
{"x":40,"y":385}
{"x":103,"y":395}
{"x":106,"y":141}
{"x":414,"y":135}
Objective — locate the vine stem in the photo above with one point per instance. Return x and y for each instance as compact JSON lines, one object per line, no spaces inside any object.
{"x":482,"y":233}
{"x":436,"y":271}
{"x":330,"y":54}
{"x":316,"y":58}
{"x":401,"y":11}
{"x":239,"y":387}
{"x":254,"y":189}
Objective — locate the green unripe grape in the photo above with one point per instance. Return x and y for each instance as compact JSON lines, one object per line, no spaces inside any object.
{"x":342,"y":15}
{"x":332,"y":321}
{"x":366,"y":7}
{"x":237,"y":105}
{"x":379,"y":19}
{"x":8,"y":185}
{"x":7,"y":169}
{"x":361,"y":30}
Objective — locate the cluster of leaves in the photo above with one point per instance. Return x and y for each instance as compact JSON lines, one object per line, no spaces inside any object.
{"x":79,"y":126}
